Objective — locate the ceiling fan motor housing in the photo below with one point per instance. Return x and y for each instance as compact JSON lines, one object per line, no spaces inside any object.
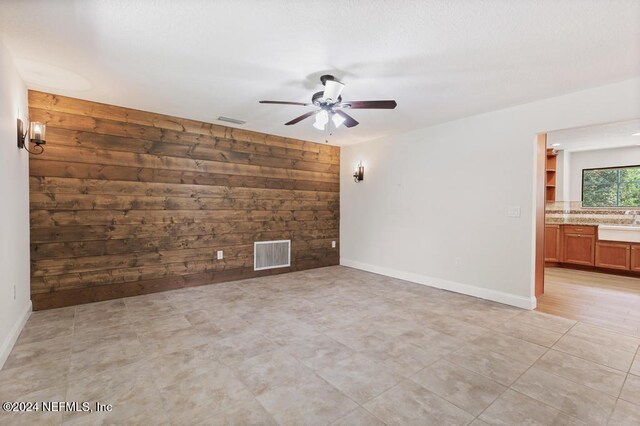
{"x":324,"y":78}
{"x":319,"y":101}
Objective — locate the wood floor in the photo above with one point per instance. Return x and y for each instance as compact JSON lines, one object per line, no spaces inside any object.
{"x":608,"y":300}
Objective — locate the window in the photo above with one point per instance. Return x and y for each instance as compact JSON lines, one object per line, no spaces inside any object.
{"x":611,"y":187}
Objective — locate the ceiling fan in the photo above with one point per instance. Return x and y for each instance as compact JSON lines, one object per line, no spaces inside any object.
{"x":331,"y":107}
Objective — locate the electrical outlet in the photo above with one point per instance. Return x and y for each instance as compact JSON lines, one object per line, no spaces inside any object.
{"x":458,"y":262}
{"x":333,"y":244}
{"x":513,"y":211}
{"x":220,"y":255}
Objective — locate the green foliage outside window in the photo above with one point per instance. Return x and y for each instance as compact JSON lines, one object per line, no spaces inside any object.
{"x":612,"y":187}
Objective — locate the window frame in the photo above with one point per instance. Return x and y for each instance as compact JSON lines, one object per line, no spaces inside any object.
{"x":604,"y":168}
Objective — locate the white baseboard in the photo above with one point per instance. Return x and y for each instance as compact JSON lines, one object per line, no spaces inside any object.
{"x":7,"y":345}
{"x":470,"y":290}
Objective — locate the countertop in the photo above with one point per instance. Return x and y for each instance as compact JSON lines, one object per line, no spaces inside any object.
{"x":572,"y":213}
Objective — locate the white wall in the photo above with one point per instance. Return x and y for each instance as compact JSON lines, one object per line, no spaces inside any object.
{"x":433,"y":205}
{"x":14,"y":213}
{"x":580,"y":160}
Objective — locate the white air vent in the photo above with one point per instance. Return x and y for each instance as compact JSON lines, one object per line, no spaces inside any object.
{"x":271,"y":254}
{"x":231,"y":120}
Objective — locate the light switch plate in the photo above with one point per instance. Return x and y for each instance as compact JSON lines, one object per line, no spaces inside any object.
{"x":220,"y":254}
{"x":333,"y":244}
{"x":513,"y":211}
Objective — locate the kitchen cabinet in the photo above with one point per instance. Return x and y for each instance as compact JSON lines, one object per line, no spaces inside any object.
{"x":578,"y":245}
{"x":634,"y":258}
{"x":613,"y":255}
{"x":552,"y":243}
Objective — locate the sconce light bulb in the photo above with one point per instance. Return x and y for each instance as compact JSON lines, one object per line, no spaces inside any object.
{"x":37,"y":130}
{"x":358,"y":174}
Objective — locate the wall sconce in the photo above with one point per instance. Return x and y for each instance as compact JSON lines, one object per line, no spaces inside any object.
{"x":358,"y":175}
{"x":36,"y":132}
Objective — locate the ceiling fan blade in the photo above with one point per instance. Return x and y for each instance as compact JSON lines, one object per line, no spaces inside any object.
{"x":302,"y":117}
{"x":284,"y":103}
{"x":369,"y":104}
{"x":348,"y":120}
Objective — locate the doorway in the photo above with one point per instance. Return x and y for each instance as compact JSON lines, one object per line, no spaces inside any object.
{"x":588,"y":224}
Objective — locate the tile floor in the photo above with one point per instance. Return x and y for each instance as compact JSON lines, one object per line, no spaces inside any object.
{"x":326,"y":346}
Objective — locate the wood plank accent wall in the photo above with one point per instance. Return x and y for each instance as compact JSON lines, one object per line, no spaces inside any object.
{"x":126,"y":202}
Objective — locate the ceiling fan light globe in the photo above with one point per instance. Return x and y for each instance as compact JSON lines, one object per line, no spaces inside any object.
{"x":332,"y":90}
{"x":319,"y":125}
{"x":322,"y":117}
{"x":337,"y":120}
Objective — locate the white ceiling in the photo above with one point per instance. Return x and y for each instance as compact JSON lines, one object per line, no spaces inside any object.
{"x":440,"y":59}
{"x":603,"y":136}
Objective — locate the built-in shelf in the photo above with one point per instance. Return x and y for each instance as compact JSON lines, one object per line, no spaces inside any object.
{"x":551,"y":176}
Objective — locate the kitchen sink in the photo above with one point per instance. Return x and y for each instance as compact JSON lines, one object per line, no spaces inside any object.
{"x":626,"y":233}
